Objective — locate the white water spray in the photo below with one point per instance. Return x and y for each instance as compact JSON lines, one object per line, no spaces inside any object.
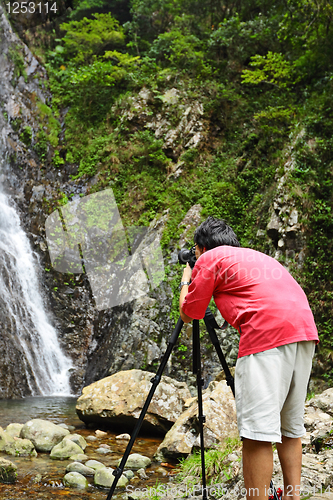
{"x":47,"y":368}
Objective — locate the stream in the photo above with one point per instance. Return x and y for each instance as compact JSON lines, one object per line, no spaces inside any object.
{"x":62,"y":410}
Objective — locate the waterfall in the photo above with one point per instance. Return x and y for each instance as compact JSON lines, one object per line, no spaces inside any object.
{"x":46,"y":367}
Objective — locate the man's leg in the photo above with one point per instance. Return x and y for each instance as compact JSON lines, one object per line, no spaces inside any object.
{"x":257,"y":468}
{"x":290,"y":455}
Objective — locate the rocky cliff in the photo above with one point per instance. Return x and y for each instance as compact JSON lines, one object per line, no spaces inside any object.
{"x":134,"y":335}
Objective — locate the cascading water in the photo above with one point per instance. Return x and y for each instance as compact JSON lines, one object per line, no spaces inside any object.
{"x":35,"y":339}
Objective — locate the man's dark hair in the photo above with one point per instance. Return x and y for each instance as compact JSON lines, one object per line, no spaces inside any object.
{"x":213,"y":233}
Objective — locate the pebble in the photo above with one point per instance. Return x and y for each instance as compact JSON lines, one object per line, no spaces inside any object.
{"x":101,"y":433}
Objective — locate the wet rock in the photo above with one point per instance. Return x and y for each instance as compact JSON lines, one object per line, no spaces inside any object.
{"x":5,"y":439}
{"x":104,"y":477}
{"x":80,"y":468}
{"x":103,"y":451}
{"x":43,"y":434}
{"x":8,"y":471}
{"x":129,"y":474}
{"x":142,"y":473}
{"x":75,"y":480}
{"x":14,"y":430}
{"x":20,"y":448}
{"x":220,"y":412}
{"x":77,"y":439}
{"x":100,"y":433}
{"x":117,"y":400}
{"x":79,"y":457}
{"x":136,"y":461}
{"x":92,"y":438}
{"x":124,"y":437}
{"x":95,"y":464}
{"x":65,"y":449}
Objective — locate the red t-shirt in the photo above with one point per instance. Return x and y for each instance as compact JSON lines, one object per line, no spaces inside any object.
{"x":254,"y":294}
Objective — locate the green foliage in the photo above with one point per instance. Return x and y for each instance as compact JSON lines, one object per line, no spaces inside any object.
{"x":49,"y":125}
{"x":85,"y":8}
{"x":16,"y":55}
{"x":182,"y":50}
{"x":57,"y":160}
{"x":236,"y":39}
{"x":272,"y":69}
{"x":86,"y":69}
{"x":261,"y":73}
{"x":89,"y":37}
{"x":26,"y":136}
{"x":218,"y":467}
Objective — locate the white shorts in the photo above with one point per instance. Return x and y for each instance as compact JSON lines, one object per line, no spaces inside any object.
{"x":270,"y":389}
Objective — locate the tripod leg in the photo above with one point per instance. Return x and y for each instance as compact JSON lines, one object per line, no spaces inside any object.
{"x":216,"y":344}
{"x":155,"y":381}
{"x":201,"y":417}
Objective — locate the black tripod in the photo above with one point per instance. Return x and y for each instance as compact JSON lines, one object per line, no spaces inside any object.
{"x":211,"y":326}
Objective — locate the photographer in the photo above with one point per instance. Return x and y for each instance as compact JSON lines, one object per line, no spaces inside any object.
{"x":257,"y":296}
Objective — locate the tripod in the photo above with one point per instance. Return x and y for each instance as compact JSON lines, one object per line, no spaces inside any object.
{"x":211,"y":326}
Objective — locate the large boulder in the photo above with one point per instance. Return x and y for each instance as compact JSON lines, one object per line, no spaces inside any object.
{"x":43,"y":434}
{"x":118,"y":400}
{"x":220,"y":412}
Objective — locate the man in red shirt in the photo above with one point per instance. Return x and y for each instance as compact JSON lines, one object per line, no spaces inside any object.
{"x":257,"y":296}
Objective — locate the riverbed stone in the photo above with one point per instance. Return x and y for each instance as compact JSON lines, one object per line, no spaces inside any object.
{"x":8,"y":471}
{"x":123,"y":437}
{"x":14,"y":429}
{"x":79,"y":457}
{"x":75,"y":480}
{"x":220,"y":412}
{"x":20,"y":448}
{"x":43,"y":434}
{"x":80,"y":468}
{"x":5,"y":439}
{"x":104,"y":477}
{"x":64,"y":450}
{"x":95,"y":464}
{"x":103,"y":451}
{"x":77,"y":439}
{"x":118,"y":400}
{"x":136,"y":461}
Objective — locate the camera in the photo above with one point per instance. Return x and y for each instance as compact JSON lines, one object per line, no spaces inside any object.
{"x":185,"y":255}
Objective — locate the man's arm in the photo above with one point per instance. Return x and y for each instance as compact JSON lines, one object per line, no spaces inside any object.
{"x":183,"y":292}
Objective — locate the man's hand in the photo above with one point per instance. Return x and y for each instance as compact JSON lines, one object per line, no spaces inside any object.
{"x":187,"y":274}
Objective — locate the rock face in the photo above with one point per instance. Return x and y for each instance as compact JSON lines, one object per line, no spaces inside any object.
{"x":220,"y":412}
{"x":99,"y":343}
{"x":117,"y":401}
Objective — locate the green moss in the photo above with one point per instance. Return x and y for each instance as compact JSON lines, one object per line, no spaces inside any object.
{"x":16,"y":55}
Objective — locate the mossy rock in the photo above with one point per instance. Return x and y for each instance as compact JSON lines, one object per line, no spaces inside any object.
{"x":8,"y":471}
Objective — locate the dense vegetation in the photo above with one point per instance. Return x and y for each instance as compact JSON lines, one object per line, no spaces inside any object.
{"x":252,"y":82}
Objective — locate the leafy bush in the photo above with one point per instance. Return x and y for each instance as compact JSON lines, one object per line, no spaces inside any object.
{"x":91,"y":37}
